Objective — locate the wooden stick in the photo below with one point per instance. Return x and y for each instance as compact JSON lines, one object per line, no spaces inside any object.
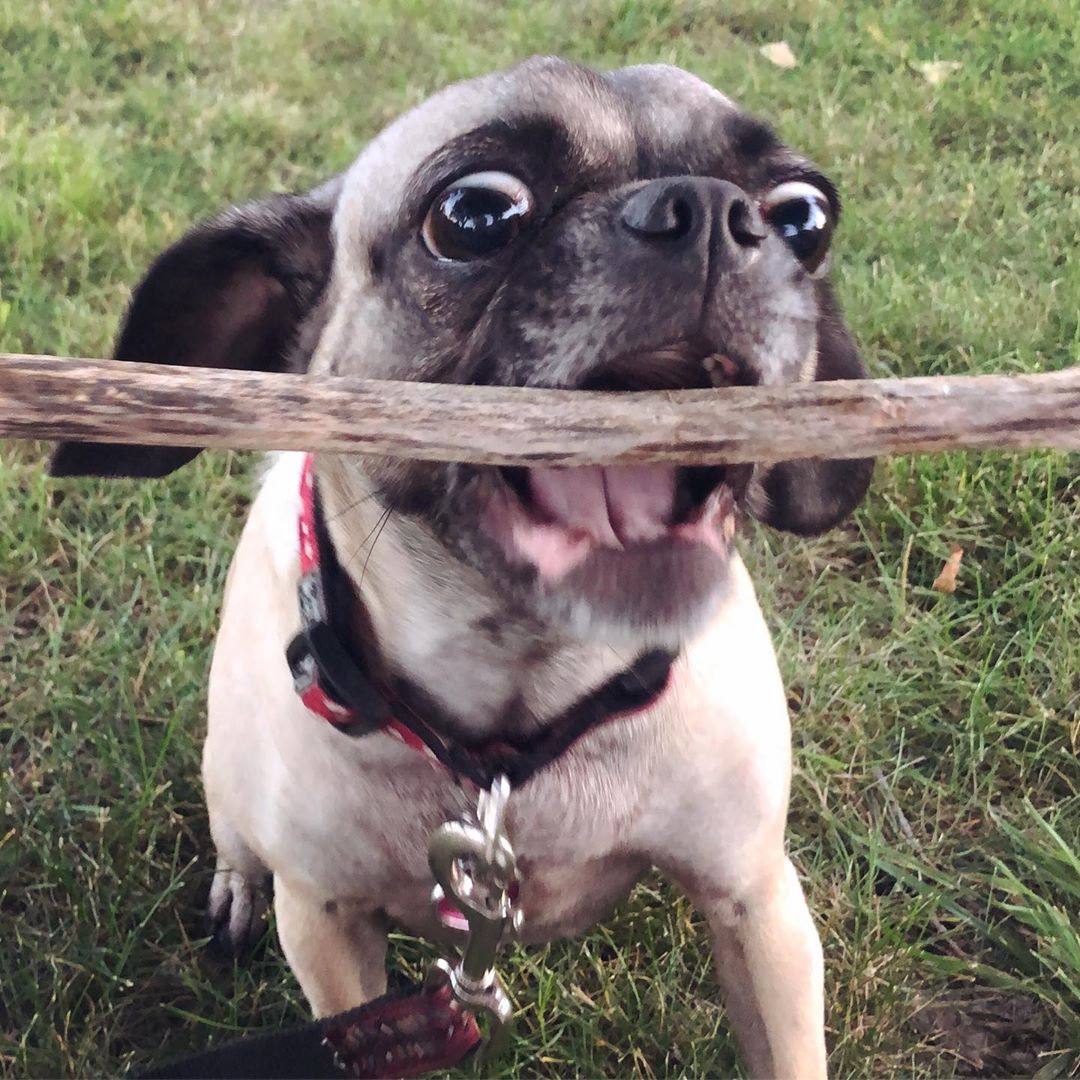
{"x":43,"y":397}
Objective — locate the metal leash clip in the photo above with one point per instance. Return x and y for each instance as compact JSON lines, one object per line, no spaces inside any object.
{"x":474,"y":869}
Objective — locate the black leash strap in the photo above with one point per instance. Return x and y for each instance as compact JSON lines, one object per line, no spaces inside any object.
{"x":403,"y":1034}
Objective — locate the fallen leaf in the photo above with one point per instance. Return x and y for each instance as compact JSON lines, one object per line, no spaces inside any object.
{"x":946,"y":580}
{"x":877,"y":33}
{"x":936,"y":72}
{"x":779,"y":53}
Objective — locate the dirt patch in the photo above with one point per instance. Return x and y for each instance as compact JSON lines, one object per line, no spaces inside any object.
{"x":990,"y":1032}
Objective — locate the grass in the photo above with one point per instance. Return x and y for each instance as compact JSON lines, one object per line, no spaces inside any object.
{"x":936,"y":805}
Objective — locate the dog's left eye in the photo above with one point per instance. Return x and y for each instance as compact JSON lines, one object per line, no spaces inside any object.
{"x":801,"y":214}
{"x":476,"y":216}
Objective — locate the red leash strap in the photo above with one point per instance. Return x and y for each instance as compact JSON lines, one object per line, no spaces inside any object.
{"x":411,"y":1036}
{"x":397,"y":1035}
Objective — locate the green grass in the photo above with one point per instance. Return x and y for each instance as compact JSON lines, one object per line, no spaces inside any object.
{"x":936,"y":805}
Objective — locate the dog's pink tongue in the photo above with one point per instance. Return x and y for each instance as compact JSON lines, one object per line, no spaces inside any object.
{"x":615,"y":505}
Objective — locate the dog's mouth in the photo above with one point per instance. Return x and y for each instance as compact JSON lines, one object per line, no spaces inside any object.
{"x":553,"y":518}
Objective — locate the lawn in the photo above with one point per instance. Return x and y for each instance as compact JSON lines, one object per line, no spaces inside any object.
{"x":936,"y":804}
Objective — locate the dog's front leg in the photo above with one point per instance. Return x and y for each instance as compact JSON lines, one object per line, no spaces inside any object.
{"x":769,"y":963}
{"x":336,"y":948}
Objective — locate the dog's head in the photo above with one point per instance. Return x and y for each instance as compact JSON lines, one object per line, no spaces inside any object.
{"x":548,"y":226}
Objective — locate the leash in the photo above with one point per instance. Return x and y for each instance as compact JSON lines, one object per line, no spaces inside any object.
{"x":398,"y":1035}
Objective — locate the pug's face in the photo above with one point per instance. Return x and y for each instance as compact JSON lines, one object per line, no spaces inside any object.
{"x":552,"y":226}
{"x":555,"y":227}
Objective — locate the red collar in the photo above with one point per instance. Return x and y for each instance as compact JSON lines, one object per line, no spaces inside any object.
{"x":334,"y":684}
{"x":309,"y":686}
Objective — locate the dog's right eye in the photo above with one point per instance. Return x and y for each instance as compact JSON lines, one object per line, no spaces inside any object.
{"x":800,"y":213}
{"x":476,"y":216}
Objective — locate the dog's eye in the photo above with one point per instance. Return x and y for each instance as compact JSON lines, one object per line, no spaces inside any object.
{"x":801,"y":214}
{"x":477,"y":215}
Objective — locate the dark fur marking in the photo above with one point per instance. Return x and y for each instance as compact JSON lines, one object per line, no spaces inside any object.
{"x":232,"y":293}
{"x":491,"y":626}
{"x":376,"y":261}
{"x":534,"y":147}
{"x":751,"y":138}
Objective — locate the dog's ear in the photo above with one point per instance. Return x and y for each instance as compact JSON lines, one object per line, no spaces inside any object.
{"x":230,"y":294}
{"x":811,"y":496}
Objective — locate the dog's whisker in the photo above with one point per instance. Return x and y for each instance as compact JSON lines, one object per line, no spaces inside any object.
{"x":378,"y":532}
{"x":380,"y":521}
{"x":375,"y":529}
{"x":348,"y":509}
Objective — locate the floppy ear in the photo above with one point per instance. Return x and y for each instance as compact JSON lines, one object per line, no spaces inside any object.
{"x":810,"y":496}
{"x":232,"y":293}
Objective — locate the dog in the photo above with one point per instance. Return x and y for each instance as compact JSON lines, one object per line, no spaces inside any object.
{"x":547,"y":226}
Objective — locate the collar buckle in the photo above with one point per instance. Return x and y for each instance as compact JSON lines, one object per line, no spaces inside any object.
{"x":312,"y":597}
{"x":302,"y":666}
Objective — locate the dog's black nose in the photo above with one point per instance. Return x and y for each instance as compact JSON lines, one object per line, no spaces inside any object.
{"x":681,"y":209}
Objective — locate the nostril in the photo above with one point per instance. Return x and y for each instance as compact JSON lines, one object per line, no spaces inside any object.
{"x":744,"y":223}
{"x":662,"y":210}
{"x":682,"y":219}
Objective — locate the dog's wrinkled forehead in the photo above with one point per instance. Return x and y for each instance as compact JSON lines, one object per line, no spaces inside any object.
{"x":670,"y":107}
{"x":620,"y":118}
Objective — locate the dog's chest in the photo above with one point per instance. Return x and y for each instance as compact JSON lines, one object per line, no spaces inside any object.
{"x":571,"y":830}
{"x":557,"y":899}
{"x":565,"y":900}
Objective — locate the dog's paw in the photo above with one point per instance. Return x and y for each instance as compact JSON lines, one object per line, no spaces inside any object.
{"x":237,"y":911}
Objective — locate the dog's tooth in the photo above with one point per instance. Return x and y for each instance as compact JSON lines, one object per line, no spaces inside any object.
{"x":721,"y":368}
{"x":718,"y":367}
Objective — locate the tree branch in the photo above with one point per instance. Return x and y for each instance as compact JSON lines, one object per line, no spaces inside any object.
{"x":43,"y":397}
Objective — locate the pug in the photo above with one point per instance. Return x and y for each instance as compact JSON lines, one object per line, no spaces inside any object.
{"x":590,"y":632}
